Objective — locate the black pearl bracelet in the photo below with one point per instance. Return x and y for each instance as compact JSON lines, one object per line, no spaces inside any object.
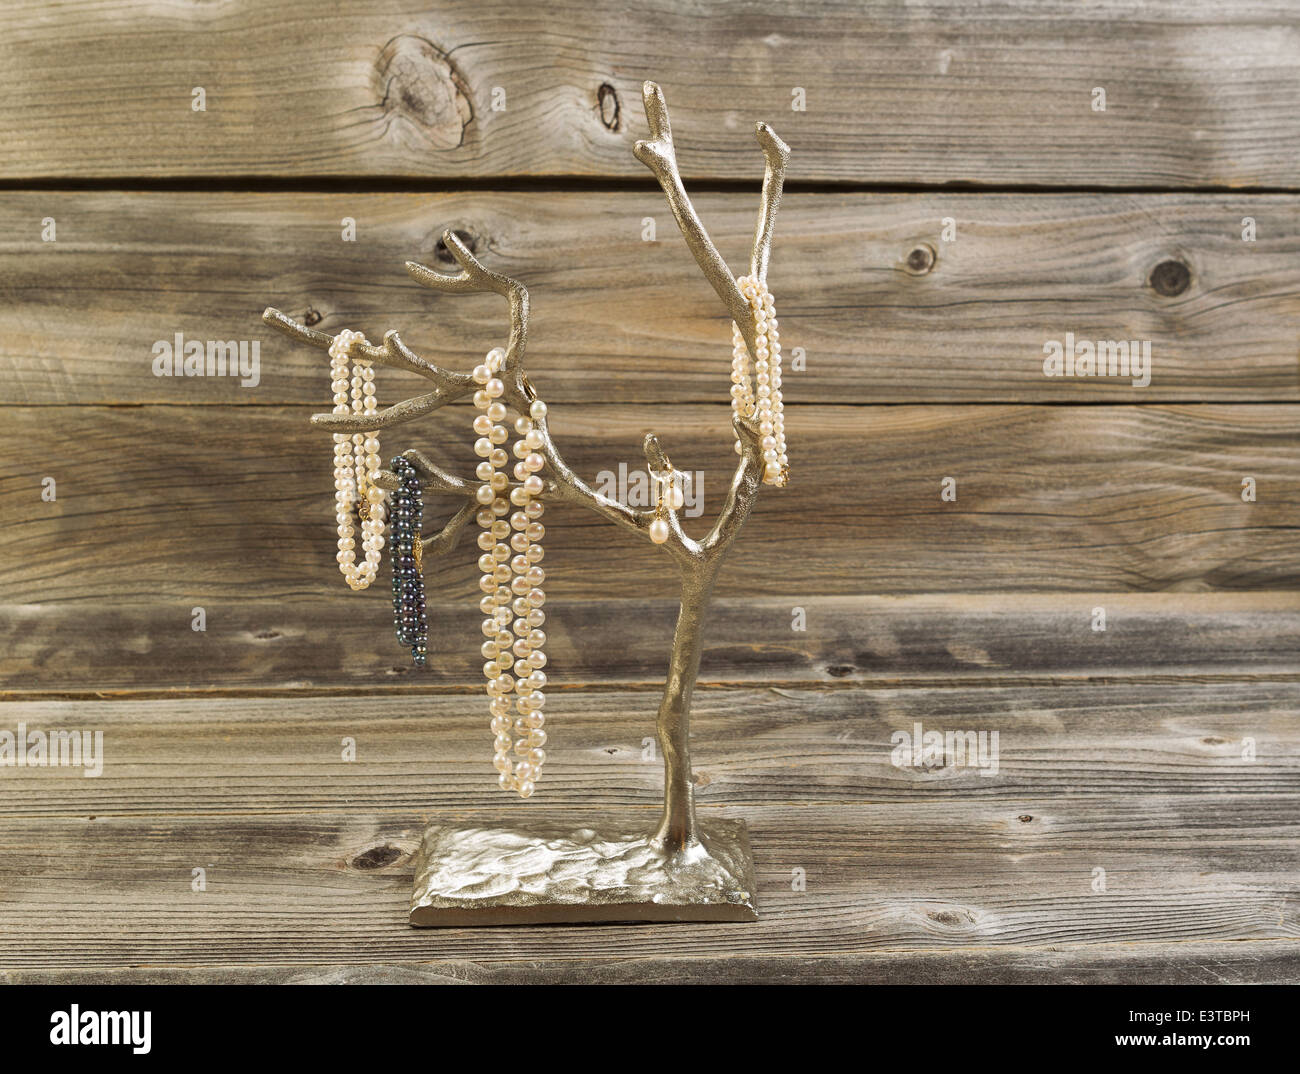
{"x":409,"y":617}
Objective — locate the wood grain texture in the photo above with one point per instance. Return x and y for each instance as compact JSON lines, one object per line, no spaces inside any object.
{"x":307,"y":857}
{"x":1164,"y":750}
{"x":304,"y":646}
{"x":173,"y":508}
{"x":1155,"y":963}
{"x":228,"y":757}
{"x":286,"y":894}
{"x":615,"y":318}
{"x":1198,"y":93}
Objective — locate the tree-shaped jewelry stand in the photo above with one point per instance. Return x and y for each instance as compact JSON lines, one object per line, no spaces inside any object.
{"x":536,"y":871}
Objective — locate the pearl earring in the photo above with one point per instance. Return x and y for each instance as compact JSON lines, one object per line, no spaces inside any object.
{"x":356,"y":460}
{"x":667,"y":495}
{"x":511,"y":585}
{"x":761,"y":399}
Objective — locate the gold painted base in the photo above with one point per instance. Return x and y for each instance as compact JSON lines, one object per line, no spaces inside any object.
{"x":540,"y":872}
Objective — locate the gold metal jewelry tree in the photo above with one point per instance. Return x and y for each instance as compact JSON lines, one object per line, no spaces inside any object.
{"x":686,"y":869}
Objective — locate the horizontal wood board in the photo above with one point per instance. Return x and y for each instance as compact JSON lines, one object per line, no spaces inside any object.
{"x":1197,"y":93}
{"x":875,"y":305}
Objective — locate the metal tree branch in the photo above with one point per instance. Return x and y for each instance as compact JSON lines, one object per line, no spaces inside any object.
{"x":660,"y":156}
{"x":775,"y":153}
{"x":393,"y":352}
{"x":473,"y":277}
{"x":677,"y":834}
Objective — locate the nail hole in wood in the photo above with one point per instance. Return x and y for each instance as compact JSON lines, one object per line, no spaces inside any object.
{"x":921,"y":260}
{"x":611,"y":112}
{"x":1170,"y":278}
{"x":443,"y":255}
{"x":840,"y":670}
{"x":1024,"y":818}
{"x":311,"y":318}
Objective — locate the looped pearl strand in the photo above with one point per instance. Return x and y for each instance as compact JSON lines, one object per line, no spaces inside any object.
{"x":761,"y":398}
{"x":511,"y":584}
{"x":356,"y":459}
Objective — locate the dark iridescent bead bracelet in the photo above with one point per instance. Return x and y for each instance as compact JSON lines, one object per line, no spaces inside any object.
{"x":409,"y":616}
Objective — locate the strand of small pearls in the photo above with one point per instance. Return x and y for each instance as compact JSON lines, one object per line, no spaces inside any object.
{"x":511,"y":584}
{"x":761,"y":398}
{"x":356,"y":459}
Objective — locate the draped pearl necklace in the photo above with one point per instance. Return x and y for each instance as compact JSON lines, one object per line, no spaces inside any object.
{"x":511,"y":583}
{"x":761,"y":397}
{"x":356,"y":459}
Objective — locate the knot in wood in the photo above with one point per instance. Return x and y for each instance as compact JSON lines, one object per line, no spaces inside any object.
{"x":921,"y":260}
{"x":424,"y":98}
{"x":443,"y":255}
{"x":1170,"y":278}
{"x":377,"y":857}
{"x":611,"y":112}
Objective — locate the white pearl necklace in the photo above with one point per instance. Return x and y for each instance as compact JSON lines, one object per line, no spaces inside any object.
{"x":356,"y":459}
{"x":512,"y":586}
{"x":764,"y":400}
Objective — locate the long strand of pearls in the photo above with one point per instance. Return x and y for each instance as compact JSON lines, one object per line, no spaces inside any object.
{"x":356,"y":459}
{"x":511,"y":584}
{"x":762,"y":397}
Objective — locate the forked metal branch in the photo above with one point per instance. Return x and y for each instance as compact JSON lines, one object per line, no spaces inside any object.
{"x":698,"y":561}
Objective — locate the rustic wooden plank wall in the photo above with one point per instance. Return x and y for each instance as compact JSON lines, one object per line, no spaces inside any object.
{"x":957,"y":200}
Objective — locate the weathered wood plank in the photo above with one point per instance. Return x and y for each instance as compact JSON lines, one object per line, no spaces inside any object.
{"x":618,"y":319}
{"x":1154,"y":963}
{"x":911,"y":873}
{"x":236,"y":757}
{"x":1197,"y":92}
{"x":181,"y":507}
{"x":944,"y":879}
{"x":303,"y":645}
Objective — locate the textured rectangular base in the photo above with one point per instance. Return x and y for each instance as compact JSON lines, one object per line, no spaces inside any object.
{"x":539,"y":872}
